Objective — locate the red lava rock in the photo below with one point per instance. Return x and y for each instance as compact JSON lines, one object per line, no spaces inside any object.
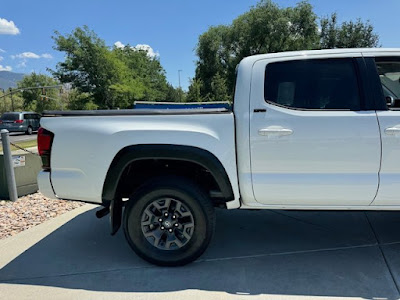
{"x":29,"y":211}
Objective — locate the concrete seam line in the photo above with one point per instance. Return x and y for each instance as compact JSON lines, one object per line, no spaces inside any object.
{"x":288,"y":253}
{"x":77,"y":273}
{"x":28,"y":238}
{"x":383,"y":254}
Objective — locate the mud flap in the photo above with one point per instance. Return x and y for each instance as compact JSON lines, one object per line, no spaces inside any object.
{"x":115,"y":215}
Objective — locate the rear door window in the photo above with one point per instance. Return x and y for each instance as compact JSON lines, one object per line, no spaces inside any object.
{"x":10,"y":117}
{"x":327,"y":84}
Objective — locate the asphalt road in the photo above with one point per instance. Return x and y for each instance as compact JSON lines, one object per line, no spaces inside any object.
{"x":20,"y":137}
{"x":253,"y":255}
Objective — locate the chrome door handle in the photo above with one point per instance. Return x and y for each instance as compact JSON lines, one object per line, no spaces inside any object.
{"x":275,"y":131}
{"x":392,"y":130}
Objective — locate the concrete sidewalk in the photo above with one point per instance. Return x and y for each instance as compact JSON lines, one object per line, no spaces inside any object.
{"x":254,"y":255}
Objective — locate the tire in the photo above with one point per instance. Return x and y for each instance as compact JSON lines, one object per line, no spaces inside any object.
{"x":29,"y":130}
{"x":194,"y":215}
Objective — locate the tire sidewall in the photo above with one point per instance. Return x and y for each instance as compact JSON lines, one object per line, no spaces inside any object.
{"x":203,"y":224}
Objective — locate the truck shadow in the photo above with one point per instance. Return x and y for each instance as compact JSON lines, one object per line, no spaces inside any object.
{"x":335,"y":254}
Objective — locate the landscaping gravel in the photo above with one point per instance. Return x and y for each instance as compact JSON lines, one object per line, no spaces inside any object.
{"x":29,"y":211}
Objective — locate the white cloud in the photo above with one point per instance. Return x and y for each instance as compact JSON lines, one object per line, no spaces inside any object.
{"x":2,"y":51}
{"x":150,"y":51}
{"x":8,"y":27}
{"x":22,"y":64}
{"x":142,"y":47}
{"x":26,"y":55}
{"x":5,"y":68}
{"x":29,"y":55}
{"x":47,"y":55}
{"x":1,"y":58}
{"x":118,"y":44}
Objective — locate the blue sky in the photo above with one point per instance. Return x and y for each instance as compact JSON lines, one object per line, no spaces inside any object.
{"x":171,"y":27}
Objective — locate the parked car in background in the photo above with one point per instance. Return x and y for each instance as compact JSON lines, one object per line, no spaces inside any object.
{"x":24,"y":121}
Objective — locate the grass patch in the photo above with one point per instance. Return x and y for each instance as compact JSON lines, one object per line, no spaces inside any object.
{"x":23,"y":144}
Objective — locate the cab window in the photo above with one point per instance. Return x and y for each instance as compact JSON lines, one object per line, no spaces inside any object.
{"x":328,"y":84}
{"x":389,"y":75}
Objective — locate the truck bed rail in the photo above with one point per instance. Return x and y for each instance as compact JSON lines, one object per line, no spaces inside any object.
{"x":133,"y":112}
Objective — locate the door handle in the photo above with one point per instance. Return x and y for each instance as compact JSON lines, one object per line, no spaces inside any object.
{"x":275,"y":131}
{"x":392,"y":130}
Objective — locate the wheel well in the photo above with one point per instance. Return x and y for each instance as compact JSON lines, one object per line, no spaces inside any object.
{"x":140,"y":171}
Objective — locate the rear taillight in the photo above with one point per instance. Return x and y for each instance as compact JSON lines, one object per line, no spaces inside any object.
{"x":19,"y":121}
{"x":45,"y":141}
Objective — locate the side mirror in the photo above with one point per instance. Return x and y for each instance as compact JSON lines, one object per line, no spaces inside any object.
{"x":390,"y":101}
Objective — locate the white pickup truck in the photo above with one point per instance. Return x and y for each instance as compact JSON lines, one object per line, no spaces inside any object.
{"x":312,"y":130}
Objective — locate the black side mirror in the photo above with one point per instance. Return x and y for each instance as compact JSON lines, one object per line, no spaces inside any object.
{"x":389,"y":101}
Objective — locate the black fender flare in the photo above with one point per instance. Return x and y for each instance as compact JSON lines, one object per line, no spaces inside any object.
{"x":134,"y":153}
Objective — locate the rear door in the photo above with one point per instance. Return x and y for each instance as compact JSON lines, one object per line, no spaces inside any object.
{"x":388,"y":70}
{"x":27,"y":120}
{"x":35,"y":120}
{"x":312,"y":141}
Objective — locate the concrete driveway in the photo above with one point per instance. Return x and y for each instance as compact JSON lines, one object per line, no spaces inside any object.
{"x":254,"y":255}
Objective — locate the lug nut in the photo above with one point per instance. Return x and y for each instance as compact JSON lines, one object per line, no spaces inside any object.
{"x":173,"y":217}
{"x":170,"y":230}
{"x":162,"y":227}
{"x":159,"y":220}
{"x":166,"y":214}
{"x":176,"y":224}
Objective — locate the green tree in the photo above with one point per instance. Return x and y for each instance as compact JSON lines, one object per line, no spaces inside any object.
{"x":215,"y":56}
{"x":88,"y":65}
{"x":108,"y":77}
{"x":34,"y":99}
{"x":174,"y":94}
{"x":266,"y":28}
{"x":348,"y":34}
{"x":145,"y":76}
{"x":219,"y":89}
{"x":194,"y":93}
{"x":78,"y":101}
{"x":5,"y":102}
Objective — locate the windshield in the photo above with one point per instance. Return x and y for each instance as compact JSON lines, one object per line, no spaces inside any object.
{"x":9,"y":117}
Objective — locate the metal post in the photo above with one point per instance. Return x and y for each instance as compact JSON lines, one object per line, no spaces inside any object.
{"x":12,"y":101}
{"x":4,"y":96}
{"x":9,"y":166}
{"x":180,"y":90}
{"x":179,"y":76}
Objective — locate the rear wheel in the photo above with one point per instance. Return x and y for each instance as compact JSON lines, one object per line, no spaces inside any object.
{"x":169,"y":221}
{"x":29,"y":130}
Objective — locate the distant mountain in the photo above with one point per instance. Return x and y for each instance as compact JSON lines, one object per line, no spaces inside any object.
{"x":9,"y":79}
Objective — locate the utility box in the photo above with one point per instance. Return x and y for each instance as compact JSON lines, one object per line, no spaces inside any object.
{"x":26,"y":169}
